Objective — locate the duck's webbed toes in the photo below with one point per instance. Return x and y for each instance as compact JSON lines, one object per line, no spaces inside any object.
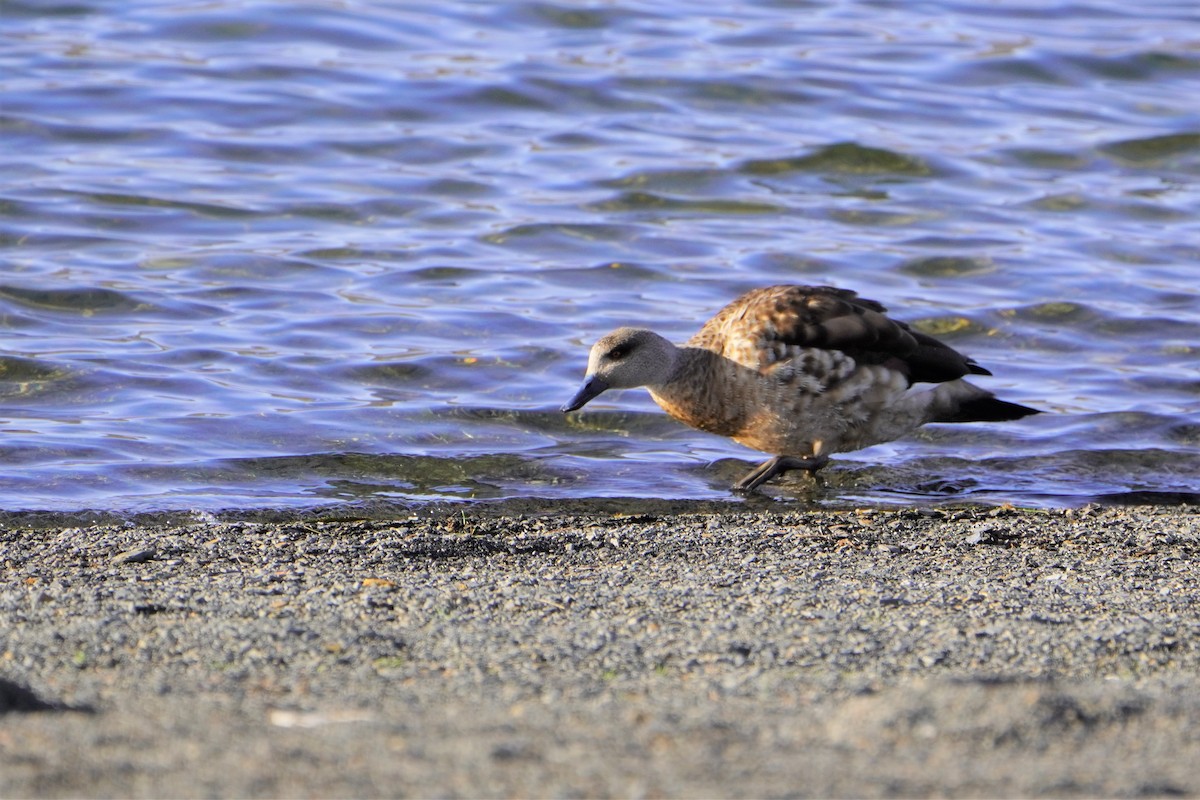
{"x":777,"y":466}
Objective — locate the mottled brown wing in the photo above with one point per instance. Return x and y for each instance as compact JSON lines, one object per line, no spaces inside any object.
{"x":759,"y":329}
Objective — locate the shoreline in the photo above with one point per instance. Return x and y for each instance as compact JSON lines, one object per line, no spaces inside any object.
{"x":517,"y":506}
{"x":605,"y":647}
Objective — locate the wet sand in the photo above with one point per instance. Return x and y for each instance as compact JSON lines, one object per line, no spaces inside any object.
{"x":604,"y":649}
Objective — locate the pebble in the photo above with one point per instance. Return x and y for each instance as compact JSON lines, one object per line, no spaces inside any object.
{"x":135,"y":556}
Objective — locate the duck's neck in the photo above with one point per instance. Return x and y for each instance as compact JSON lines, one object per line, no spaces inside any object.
{"x":695,"y":391}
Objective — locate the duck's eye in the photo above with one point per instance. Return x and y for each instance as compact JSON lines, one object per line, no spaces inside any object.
{"x":619,"y":352}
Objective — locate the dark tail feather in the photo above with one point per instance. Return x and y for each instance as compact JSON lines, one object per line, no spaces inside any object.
{"x":988,"y":409}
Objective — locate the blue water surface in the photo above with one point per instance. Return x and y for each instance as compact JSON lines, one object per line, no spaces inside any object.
{"x":276,"y":255}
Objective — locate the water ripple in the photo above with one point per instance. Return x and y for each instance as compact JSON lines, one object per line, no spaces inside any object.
{"x":260,"y":258}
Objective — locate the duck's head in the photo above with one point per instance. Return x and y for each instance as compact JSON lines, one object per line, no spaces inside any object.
{"x":623,"y":359}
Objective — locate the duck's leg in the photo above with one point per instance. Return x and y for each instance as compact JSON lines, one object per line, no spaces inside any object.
{"x":777,"y":466}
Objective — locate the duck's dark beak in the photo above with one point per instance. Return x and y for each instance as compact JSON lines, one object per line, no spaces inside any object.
{"x":591,"y":387}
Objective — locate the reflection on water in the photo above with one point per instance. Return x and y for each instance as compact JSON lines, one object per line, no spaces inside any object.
{"x":256,"y":258}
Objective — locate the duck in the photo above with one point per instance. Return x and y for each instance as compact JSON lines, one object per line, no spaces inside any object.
{"x":800,"y":373}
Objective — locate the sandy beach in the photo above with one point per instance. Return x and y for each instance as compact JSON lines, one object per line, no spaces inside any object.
{"x":604,"y":649}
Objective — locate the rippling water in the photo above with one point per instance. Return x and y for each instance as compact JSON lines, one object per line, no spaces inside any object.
{"x":267,"y":254}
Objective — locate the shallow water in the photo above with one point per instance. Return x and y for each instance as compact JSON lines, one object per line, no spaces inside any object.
{"x":271,"y":254}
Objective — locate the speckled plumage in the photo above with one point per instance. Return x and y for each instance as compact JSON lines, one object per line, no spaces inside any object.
{"x":799,"y":372}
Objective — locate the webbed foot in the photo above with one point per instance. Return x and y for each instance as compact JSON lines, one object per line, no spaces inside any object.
{"x":777,"y":466}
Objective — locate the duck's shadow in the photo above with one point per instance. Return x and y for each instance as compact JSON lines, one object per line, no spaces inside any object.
{"x":845,"y":481}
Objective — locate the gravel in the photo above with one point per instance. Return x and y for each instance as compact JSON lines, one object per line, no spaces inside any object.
{"x":601,"y":649}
